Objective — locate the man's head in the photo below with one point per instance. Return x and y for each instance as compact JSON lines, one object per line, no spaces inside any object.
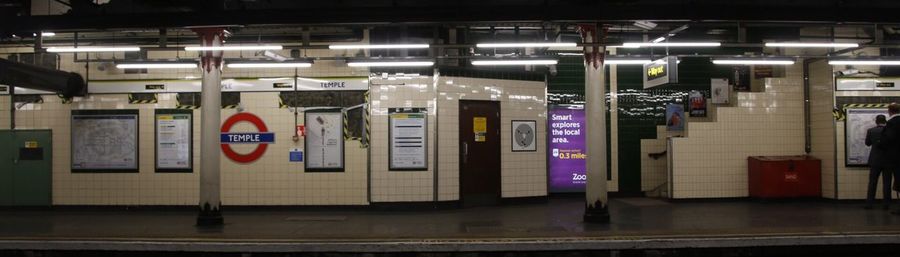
{"x":880,"y":119}
{"x":894,"y":108}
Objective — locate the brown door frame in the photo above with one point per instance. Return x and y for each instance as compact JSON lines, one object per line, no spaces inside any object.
{"x":499,"y":150}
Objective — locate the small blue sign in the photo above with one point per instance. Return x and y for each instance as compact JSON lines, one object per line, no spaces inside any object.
{"x":296,"y":156}
{"x":248,"y":138}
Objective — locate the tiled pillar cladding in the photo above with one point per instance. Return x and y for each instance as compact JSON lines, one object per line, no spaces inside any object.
{"x":821,"y":95}
{"x":712,"y":161}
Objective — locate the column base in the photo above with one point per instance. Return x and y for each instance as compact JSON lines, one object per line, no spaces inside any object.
{"x":596,"y":214}
{"x":210,"y":217}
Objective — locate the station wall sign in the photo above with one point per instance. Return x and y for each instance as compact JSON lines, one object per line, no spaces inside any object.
{"x":661,"y":72}
{"x":262,"y":138}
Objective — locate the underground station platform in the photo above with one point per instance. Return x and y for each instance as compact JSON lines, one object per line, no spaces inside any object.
{"x":637,"y":224}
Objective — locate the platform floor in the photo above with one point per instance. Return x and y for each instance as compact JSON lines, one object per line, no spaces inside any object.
{"x":636,"y":222}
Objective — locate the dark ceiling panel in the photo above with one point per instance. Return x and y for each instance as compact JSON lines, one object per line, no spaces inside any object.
{"x":150,"y":13}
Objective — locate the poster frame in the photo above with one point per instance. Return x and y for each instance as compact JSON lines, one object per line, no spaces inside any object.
{"x":137,"y":138}
{"x":423,"y":111}
{"x":156,"y":167}
{"x":847,"y":137}
{"x":512,"y":129}
{"x":306,"y":167}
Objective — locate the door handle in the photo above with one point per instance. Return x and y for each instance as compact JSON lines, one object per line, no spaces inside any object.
{"x":465,"y":152}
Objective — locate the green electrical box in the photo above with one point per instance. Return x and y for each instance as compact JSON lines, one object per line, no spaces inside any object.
{"x":26,"y":164}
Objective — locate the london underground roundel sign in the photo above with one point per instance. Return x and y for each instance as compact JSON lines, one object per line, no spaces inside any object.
{"x":262,"y":139}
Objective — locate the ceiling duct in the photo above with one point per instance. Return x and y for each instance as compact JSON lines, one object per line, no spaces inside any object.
{"x":22,"y":75}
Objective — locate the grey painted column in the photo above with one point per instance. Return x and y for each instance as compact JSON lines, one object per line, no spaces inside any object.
{"x":210,"y":121}
{"x":596,"y":206}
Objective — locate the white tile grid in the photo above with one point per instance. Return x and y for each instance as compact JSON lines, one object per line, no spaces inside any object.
{"x":522,"y":173}
{"x":712,"y":161}
{"x":274,"y":181}
{"x":852,"y":181}
{"x":400,"y":186}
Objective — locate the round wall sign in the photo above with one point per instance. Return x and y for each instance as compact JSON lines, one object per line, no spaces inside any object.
{"x":261,"y":138}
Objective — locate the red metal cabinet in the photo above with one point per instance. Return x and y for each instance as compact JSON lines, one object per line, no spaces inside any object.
{"x":784,"y":176}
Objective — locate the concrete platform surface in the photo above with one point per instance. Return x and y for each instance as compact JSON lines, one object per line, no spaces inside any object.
{"x":637,"y":223}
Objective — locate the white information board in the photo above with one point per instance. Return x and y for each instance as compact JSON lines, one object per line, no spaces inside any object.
{"x":324,"y":142}
{"x":173,"y":141}
{"x":104,"y":141}
{"x":408,"y":141}
{"x":859,"y":121}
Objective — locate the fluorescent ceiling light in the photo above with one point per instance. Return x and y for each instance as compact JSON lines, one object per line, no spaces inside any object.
{"x":672,"y":44}
{"x":93,"y":49}
{"x":864,"y":62}
{"x":232,"y":48}
{"x":156,"y":65}
{"x":391,"y":64}
{"x":659,"y":39}
{"x":48,"y":34}
{"x":392,"y":46}
{"x":269,"y":65}
{"x":527,"y":44}
{"x":626,"y":61}
{"x":812,"y":45}
{"x":753,"y":61}
{"x":514,"y":62}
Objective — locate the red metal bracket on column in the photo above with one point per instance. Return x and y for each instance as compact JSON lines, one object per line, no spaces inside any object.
{"x":210,"y":37}
{"x":589,"y":35}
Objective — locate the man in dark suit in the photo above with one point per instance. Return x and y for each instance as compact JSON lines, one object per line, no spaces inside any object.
{"x":890,"y":143}
{"x":876,"y":165}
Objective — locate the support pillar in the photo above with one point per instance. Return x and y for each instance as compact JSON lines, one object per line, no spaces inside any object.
{"x":596,"y":206}
{"x":210,"y":120}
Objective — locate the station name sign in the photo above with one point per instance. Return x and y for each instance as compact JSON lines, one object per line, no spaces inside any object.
{"x":661,"y":72}
{"x":248,"y":138}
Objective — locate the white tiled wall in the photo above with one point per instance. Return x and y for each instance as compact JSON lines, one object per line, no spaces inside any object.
{"x":653,"y":171}
{"x":712,"y":161}
{"x":522,"y":173}
{"x":853,"y":181}
{"x":272,"y":180}
{"x":400,"y":186}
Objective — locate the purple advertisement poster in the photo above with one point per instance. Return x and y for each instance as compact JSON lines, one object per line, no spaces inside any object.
{"x":566,"y":160}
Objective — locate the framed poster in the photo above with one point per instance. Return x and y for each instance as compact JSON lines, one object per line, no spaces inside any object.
{"x":524,"y":136}
{"x":174,"y":138}
{"x":697,"y":103}
{"x":566,"y":149}
{"x":408,"y":145}
{"x":720,"y":91}
{"x":675,"y":118}
{"x":859,"y":121}
{"x":740,"y":78}
{"x":104,"y":141}
{"x":324,"y":142}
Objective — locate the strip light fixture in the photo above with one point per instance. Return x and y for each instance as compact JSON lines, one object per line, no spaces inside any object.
{"x":753,"y":61}
{"x":812,"y":45}
{"x":85,"y":49}
{"x":509,"y":62}
{"x":671,"y":44}
{"x":390,"y":63}
{"x":524,"y":44}
{"x":157,"y":65}
{"x":239,"y":65}
{"x":233,"y":48}
{"x":889,"y":62}
{"x":626,"y":61}
{"x":48,"y":34}
{"x":390,"y":46}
